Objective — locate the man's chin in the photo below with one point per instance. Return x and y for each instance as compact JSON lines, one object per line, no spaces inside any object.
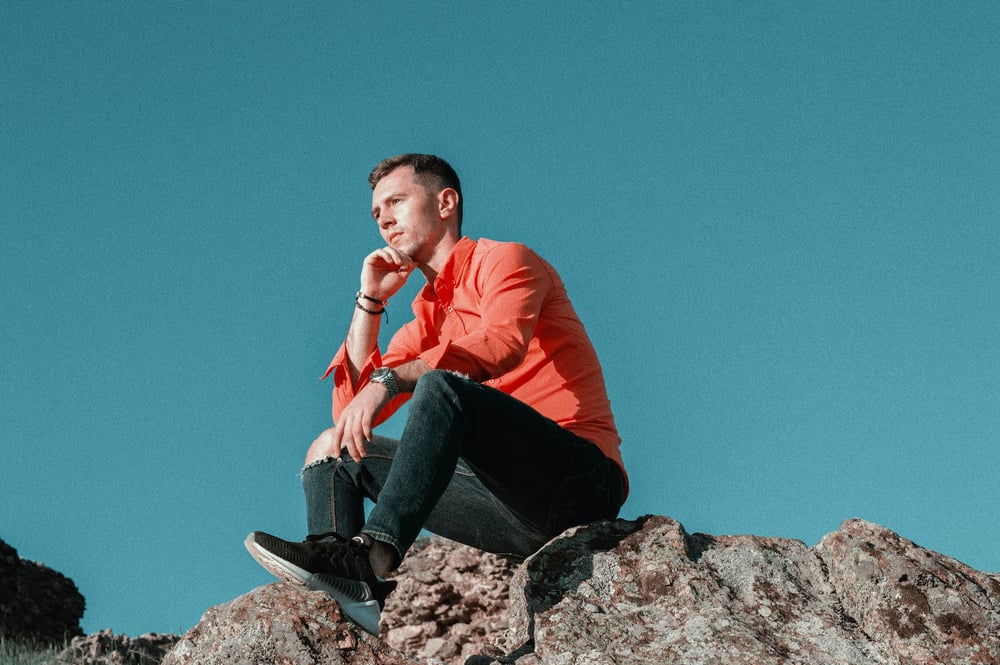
{"x":405,"y":251}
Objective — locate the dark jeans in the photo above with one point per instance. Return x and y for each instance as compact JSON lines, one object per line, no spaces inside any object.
{"x":474,"y":465}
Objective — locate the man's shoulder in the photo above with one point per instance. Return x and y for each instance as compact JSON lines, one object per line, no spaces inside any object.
{"x":501,"y":257}
{"x":487,"y":246}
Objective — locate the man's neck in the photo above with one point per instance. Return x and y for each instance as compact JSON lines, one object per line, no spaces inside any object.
{"x":435,"y":264}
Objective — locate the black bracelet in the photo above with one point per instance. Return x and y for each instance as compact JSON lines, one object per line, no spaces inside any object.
{"x":381,"y":303}
{"x":357,"y":303}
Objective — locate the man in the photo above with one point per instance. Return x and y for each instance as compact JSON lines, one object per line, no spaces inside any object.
{"x":509,"y":437}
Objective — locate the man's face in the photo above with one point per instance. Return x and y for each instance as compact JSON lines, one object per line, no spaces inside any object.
{"x":408,"y":214}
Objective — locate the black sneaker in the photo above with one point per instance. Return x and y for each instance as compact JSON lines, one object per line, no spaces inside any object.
{"x":329,"y":563}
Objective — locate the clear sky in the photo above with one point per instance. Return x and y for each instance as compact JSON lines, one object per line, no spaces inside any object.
{"x":780,"y":222}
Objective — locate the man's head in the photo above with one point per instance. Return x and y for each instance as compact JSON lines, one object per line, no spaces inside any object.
{"x":432,"y":171}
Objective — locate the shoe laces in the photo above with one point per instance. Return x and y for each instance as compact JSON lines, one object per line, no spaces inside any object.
{"x":331,"y":544}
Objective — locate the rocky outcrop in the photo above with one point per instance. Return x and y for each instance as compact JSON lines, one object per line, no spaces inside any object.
{"x":914,"y":605}
{"x":633,"y":592}
{"x":281,"y":623}
{"x":37,"y":604}
{"x":647,"y":592}
{"x":451,"y":602}
{"x":106,"y":648}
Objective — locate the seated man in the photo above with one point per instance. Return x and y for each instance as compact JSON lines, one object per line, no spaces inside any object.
{"x":509,"y":437}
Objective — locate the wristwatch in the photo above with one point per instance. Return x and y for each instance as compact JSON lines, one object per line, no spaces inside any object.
{"x":387,"y":378}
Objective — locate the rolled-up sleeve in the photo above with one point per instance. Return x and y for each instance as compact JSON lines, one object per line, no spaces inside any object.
{"x":344,"y":390}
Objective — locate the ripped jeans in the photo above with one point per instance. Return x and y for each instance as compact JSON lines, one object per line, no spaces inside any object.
{"x":474,"y":465}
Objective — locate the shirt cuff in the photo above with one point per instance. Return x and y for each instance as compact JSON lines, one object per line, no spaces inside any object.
{"x":343,"y":389}
{"x":339,"y":362}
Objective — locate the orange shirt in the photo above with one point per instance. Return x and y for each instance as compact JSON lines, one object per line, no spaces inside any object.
{"x":499,"y":313}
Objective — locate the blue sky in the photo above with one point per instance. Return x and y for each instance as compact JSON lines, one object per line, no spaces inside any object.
{"x":778,"y":220}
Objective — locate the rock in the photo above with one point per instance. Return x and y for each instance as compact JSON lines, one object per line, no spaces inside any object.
{"x":647,"y":592}
{"x":625,"y":592}
{"x":918,"y":606}
{"x":280,"y":623}
{"x":37,"y":604}
{"x":451,"y":602}
{"x":106,"y":648}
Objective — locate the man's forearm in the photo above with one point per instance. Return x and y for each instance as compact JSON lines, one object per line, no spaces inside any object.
{"x":408,"y":373}
{"x":362,"y":338}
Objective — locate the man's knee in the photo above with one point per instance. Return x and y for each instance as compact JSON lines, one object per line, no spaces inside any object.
{"x":310,"y":465}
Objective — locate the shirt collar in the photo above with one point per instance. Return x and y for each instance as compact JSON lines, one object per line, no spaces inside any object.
{"x":451,"y":273}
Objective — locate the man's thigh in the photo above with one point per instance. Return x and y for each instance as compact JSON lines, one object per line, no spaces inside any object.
{"x":545,"y":474}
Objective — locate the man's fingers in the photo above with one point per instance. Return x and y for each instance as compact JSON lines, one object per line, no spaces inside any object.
{"x":392,"y":260}
{"x":387,"y":258}
{"x":354,"y":438}
{"x":335,"y":435}
{"x":356,"y":447}
{"x":405,"y":263}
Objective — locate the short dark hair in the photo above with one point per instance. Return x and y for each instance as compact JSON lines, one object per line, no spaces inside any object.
{"x":425,"y":167}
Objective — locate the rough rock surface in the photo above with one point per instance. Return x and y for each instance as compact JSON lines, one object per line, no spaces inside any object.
{"x":37,"y":604}
{"x":630,"y":592}
{"x":280,"y":623}
{"x":916,"y":605}
{"x":451,"y":602}
{"x":106,"y":648}
{"x":647,"y":592}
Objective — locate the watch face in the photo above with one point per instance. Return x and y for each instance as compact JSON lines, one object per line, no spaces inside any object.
{"x":385,"y":376}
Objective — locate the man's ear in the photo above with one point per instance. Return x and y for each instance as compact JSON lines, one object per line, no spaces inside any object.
{"x":447,"y":203}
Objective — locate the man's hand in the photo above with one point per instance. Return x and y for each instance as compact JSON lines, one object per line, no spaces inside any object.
{"x":384,"y":272}
{"x":354,"y":429}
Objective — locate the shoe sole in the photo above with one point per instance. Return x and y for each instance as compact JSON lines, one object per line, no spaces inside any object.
{"x":365,"y":612}
{"x":275,"y":565}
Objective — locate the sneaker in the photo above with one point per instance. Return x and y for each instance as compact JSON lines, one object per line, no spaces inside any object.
{"x":329,"y":563}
